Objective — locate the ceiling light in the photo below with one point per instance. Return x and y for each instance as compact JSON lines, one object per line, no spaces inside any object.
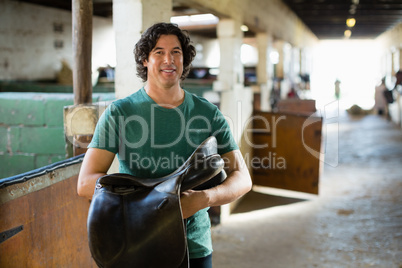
{"x":244,"y":28}
{"x":347,"y":33}
{"x":203,"y":17}
{"x":179,"y":19}
{"x":199,"y":19}
{"x":350,"y":22}
{"x":352,"y":9}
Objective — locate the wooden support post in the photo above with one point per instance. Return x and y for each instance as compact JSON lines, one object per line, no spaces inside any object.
{"x":80,"y":144}
{"x":82,"y":50}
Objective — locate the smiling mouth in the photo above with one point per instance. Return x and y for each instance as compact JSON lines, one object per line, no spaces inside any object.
{"x":169,"y":71}
{"x":168,"y":68}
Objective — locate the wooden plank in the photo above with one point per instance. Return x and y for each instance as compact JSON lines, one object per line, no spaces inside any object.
{"x":282,"y":146}
{"x":257,"y":102}
{"x":297,"y":106}
{"x":54,"y":228}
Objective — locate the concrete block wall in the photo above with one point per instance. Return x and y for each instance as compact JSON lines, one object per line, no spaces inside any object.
{"x":32,"y":131}
{"x":34,"y":40}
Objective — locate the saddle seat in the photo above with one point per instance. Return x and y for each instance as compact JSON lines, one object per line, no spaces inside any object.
{"x":137,"y":222}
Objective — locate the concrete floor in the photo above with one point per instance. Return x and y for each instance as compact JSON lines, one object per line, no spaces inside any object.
{"x":355,"y":221}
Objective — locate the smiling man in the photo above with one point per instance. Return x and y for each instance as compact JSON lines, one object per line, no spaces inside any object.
{"x":164,"y":66}
{"x":154,"y":130}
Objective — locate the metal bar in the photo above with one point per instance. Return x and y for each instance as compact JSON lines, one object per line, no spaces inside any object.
{"x":10,"y":233}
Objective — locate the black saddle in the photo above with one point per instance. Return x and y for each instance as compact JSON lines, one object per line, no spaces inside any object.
{"x":137,"y":222}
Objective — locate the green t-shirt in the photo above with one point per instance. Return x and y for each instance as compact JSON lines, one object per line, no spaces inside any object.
{"x":152,"y":141}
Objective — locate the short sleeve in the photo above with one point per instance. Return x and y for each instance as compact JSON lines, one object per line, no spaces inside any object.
{"x":221,"y":130}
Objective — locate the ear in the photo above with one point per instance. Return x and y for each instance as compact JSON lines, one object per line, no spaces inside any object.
{"x":145,"y":63}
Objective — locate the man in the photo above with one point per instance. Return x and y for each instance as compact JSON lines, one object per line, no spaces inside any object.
{"x":398,"y":77}
{"x":154,"y":130}
{"x":380,"y":102}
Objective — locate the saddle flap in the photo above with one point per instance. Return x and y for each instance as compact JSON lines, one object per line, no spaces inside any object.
{"x":202,"y":171}
{"x":208,"y":147}
{"x":130,"y":230}
{"x":215,"y":181}
{"x":121,"y":179}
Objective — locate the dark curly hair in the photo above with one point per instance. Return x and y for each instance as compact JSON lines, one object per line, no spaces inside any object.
{"x":149,"y":39}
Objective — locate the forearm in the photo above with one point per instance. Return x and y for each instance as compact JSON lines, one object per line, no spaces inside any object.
{"x":86,"y":186}
{"x":235,"y":186}
{"x":95,"y":165}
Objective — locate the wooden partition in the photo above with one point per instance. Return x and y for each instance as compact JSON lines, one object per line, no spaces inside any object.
{"x":286,"y":151}
{"x":43,"y":220}
{"x":297,"y":106}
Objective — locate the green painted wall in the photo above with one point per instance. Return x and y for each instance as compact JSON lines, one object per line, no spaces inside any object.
{"x":32,"y":130}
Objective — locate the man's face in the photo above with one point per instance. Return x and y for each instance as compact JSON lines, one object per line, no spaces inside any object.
{"x":165,"y":62}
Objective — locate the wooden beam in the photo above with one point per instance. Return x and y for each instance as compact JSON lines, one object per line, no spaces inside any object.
{"x":82,"y":50}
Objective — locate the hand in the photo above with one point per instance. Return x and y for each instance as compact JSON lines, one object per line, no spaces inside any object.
{"x":192,"y":201}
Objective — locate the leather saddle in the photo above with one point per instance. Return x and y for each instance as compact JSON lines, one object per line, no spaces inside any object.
{"x":137,"y":222}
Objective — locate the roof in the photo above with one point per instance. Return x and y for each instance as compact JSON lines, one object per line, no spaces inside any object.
{"x":327,"y":18}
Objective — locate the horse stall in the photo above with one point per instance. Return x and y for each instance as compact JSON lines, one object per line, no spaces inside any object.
{"x":287,"y":147}
{"x":43,"y":220}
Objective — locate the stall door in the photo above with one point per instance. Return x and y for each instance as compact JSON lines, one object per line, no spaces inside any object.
{"x":286,"y":151}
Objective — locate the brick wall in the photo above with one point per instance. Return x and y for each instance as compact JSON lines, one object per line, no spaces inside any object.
{"x":31,"y":130}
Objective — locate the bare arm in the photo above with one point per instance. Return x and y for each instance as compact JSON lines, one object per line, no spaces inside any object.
{"x":236,"y":185}
{"x":96,"y":163}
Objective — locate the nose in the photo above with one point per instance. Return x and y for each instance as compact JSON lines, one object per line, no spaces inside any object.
{"x":169,"y":59}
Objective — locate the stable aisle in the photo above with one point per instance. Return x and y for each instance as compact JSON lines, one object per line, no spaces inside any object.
{"x":355,"y":221}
